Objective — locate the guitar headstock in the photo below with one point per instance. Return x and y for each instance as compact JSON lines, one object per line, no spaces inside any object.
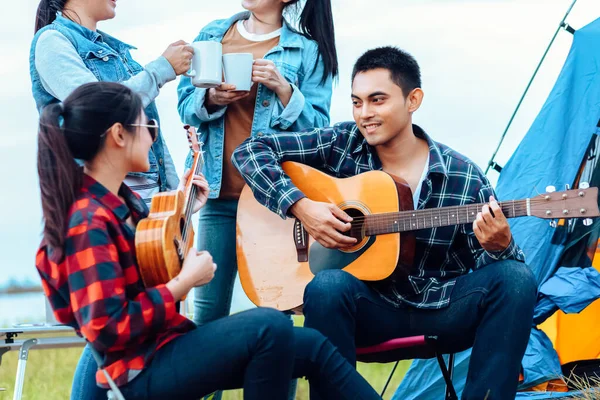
{"x":575,"y":203}
{"x":192,"y":137}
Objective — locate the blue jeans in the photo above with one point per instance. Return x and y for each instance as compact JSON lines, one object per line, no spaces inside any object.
{"x":491,"y":310}
{"x":257,"y":350}
{"x":216,"y":234}
{"x":84,"y":381}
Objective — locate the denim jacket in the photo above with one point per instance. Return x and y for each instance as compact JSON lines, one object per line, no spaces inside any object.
{"x":109,"y":60}
{"x":297,"y":58}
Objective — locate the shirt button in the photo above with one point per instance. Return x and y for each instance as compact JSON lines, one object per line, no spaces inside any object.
{"x":160,"y":161}
{"x":105,"y":58}
{"x":260,"y":134}
{"x":100,"y":51}
{"x":266,"y":103}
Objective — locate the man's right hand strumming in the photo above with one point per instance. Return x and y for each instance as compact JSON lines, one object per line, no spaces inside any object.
{"x":324,"y":222}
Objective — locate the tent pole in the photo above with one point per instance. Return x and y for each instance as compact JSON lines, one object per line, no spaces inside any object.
{"x":562,"y":25}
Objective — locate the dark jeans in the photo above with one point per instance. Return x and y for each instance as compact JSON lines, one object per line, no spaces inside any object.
{"x":216,"y":234}
{"x":490,"y":310}
{"x":258,"y":350}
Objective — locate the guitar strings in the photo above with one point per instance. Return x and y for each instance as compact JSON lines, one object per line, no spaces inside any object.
{"x":458,"y":210}
{"x":516,"y":205}
{"x":189,"y":206}
{"x":191,"y":199}
{"x":372,"y":223}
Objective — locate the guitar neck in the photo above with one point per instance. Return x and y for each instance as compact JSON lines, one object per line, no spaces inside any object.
{"x":404,"y":221}
{"x":190,"y":188}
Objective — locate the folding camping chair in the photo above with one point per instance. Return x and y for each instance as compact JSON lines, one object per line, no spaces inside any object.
{"x":408,"y":348}
{"x":47,"y":335}
{"x":26,"y":337}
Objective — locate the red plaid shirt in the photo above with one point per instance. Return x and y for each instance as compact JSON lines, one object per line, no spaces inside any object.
{"x":93,"y":284}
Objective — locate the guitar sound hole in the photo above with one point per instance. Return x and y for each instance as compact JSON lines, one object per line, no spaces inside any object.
{"x":356,"y":231}
{"x":182,"y":227}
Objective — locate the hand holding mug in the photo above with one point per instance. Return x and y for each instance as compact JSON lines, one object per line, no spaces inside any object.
{"x":179,"y":55}
{"x":223,"y":95}
{"x":266,"y":73}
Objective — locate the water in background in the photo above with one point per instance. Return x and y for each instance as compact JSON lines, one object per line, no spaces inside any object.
{"x":24,"y":307}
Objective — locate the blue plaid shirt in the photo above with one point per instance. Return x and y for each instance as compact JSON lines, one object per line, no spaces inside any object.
{"x":441,"y":255}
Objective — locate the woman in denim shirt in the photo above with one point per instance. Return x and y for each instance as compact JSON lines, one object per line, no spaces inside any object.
{"x":66,"y":52}
{"x":292,"y":76}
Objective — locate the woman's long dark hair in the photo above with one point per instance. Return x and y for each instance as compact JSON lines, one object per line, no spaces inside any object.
{"x":316,"y":23}
{"x":75,"y":129}
{"x":46,"y":12}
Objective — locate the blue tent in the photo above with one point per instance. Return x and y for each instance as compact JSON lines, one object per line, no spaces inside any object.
{"x":550,"y":154}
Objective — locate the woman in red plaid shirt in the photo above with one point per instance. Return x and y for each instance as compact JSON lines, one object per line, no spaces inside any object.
{"x":89,"y":272}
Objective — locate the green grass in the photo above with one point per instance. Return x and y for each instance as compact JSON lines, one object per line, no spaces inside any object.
{"x":49,"y":374}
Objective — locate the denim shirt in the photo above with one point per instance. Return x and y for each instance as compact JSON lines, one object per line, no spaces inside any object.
{"x":109,"y":60}
{"x":297,"y":59}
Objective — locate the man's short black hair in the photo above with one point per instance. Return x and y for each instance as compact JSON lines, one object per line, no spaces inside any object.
{"x":404,"y":69}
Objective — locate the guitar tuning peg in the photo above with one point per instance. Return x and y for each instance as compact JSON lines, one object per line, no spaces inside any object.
{"x":553,"y":223}
{"x":587,"y":221}
{"x":584,"y":185}
{"x":550,"y":189}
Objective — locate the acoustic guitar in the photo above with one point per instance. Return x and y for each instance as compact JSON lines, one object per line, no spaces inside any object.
{"x":277,"y":258}
{"x":163,"y":239}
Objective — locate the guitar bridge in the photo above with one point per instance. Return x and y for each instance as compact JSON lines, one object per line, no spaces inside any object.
{"x":301,"y":241}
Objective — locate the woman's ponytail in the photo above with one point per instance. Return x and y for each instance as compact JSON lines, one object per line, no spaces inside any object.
{"x":46,"y":12}
{"x":59,"y":175}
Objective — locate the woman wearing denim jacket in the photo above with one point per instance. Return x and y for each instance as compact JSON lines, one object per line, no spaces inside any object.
{"x":68,"y":51}
{"x":292,"y":76}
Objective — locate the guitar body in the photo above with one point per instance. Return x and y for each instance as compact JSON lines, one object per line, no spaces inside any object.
{"x":268,"y":259}
{"x":158,"y":239}
{"x":163,"y":239}
{"x":277,"y":259}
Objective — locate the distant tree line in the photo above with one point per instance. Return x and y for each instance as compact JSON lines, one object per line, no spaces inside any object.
{"x":15,"y":286}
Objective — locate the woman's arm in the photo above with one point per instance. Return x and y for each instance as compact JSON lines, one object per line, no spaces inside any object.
{"x":108,"y":317}
{"x":62,"y":70}
{"x":309,"y":103}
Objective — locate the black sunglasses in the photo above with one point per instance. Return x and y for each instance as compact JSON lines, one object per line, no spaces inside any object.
{"x":152,"y":126}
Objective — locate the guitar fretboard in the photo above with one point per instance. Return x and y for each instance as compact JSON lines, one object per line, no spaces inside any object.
{"x":403,"y":221}
{"x":191,"y":191}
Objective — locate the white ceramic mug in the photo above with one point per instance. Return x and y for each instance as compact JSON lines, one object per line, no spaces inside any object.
{"x":237,"y":68}
{"x":207,"y":70}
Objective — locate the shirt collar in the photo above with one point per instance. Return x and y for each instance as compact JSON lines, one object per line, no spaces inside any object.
{"x":85,"y":32}
{"x":93,"y":36}
{"x":436,"y":160}
{"x":289,"y":37}
{"x":133,"y":205}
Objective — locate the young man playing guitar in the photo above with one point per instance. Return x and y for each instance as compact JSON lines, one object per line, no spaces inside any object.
{"x":489,"y":309}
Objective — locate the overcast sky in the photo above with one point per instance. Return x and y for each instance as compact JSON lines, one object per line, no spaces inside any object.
{"x":476,"y":58}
